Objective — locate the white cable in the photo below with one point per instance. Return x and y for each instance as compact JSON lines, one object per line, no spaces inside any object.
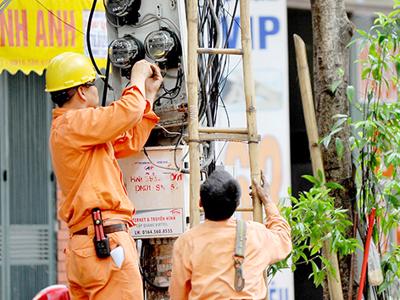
{"x":167,"y":131}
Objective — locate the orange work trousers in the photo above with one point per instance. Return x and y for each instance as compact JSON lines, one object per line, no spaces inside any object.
{"x":93,"y":278}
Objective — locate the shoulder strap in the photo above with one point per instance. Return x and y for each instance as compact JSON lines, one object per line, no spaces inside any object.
{"x":238,"y":257}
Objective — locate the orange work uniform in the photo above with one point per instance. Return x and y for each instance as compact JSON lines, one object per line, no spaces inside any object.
{"x":85,"y":144}
{"x":202,"y":265}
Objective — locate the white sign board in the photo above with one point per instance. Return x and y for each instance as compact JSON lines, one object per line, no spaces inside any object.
{"x":270,"y":72}
{"x":157,"y":190}
{"x":156,"y":223}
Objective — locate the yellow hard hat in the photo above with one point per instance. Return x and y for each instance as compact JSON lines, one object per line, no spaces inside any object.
{"x":67,"y":70}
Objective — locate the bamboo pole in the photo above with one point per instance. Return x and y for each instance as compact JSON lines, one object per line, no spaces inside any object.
{"x":250,"y":104}
{"x":334,"y":283}
{"x":223,"y":130}
{"x":249,"y":94}
{"x":192,"y":83}
{"x":220,"y":51}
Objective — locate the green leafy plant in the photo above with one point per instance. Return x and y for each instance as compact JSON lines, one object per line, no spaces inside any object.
{"x":314,"y":219}
{"x":375,"y":139}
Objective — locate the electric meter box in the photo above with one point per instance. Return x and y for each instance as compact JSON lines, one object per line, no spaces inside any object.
{"x":154,"y":30}
{"x":157,"y":190}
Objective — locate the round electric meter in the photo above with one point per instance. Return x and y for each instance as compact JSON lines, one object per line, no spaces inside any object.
{"x":125,"y":51}
{"x":163,"y":46}
{"x":122,"y":12}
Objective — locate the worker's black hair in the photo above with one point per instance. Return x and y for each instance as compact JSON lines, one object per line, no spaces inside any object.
{"x":220,"y":195}
{"x":63,"y":96}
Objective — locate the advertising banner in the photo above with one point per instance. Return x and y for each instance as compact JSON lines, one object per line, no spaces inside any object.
{"x":33,"y":32}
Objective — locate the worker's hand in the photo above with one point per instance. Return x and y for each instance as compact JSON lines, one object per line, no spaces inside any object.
{"x":141,"y":70}
{"x":139,"y":73}
{"x":153,"y":83}
{"x":263,"y":192}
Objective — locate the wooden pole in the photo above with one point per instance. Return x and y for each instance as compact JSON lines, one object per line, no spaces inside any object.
{"x":334,"y":283}
{"x":192,"y":84}
{"x":250,"y":104}
{"x":249,"y":93}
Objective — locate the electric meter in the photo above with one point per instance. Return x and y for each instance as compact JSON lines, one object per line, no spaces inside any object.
{"x":125,"y":51}
{"x":163,"y":46}
{"x":122,"y":12}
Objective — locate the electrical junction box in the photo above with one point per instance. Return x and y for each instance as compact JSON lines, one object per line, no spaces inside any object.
{"x":156,"y":31}
{"x":158,"y":191}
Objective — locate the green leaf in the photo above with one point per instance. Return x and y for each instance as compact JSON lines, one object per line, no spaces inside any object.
{"x":311,"y":179}
{"x":326,"y":141}
{"x":334,"y":186}
{"x":381,"y":39}
{"x":351,"y":140}
{"x":339,"y":147}
{"x":351,"y":43}
{"x":398,"y":69}
{"x":314,"y":267}
{"x":335,"y":85}
{"x":365,"y":72}
{"x":320,"y":176}
{"x":350,"y":91}
{"x":340,"y":116}
{"x":362,"y":33}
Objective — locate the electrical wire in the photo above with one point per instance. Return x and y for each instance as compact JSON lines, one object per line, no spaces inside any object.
{"x":108,"y":64}
{"x":167,"y":131}
{"x":158,"y":166}
{"x":213,"y":71}
{"x":212,"y":68}
{"x":4,"y":4}
{"x":149,"y":19}
{"x":143,"y":271}
{"x":88,"y":28}
{"x":49,"y":11}
{"x":89,"y":48}
{"x":229,"y":125}
{"x":170,"y":94}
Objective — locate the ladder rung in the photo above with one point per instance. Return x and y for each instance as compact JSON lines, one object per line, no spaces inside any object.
{"x":244,"y":209}
{"x":220,"y":51}
{"x":223,"y":130}
{"x":232,"y":137}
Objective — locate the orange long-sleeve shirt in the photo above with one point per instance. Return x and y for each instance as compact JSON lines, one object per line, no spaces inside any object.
{"x":85,"y":145}
{"x":202,"y":266}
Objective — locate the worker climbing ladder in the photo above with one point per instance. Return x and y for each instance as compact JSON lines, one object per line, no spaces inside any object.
{"x":199,"y":134}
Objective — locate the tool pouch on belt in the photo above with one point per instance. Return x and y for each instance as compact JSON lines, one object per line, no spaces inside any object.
{"x":238,"y":257}
{"x":101,"y":242}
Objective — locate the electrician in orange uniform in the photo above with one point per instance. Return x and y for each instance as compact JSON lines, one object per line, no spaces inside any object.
{"x":206,"y":264}
{"x":85,"y":143}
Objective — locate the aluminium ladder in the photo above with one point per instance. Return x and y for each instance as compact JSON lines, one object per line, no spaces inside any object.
{"x":200,"y":134}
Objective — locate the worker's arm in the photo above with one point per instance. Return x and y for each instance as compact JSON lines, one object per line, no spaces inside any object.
{"x":180,"y":282}
{"x":134,"y":139}
{"x":277,"y":237}
{"x":93,"y":126}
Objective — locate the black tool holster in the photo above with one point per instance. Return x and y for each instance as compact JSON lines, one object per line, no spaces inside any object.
{"x":101,"y":242}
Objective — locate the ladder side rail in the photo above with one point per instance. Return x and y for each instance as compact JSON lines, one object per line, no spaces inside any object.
{"x":193,"y":119}
{"x":249,"y":93}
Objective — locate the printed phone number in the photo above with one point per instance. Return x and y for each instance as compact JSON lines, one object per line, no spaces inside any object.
{"x":154,"y":231}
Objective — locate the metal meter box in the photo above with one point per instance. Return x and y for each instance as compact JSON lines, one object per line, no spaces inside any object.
{"x":156,"y":31}
{"x":157,"y":190}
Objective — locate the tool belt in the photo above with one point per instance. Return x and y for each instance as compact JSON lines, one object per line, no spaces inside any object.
{"x":100,"y":238}
{"x":107,"y":229}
